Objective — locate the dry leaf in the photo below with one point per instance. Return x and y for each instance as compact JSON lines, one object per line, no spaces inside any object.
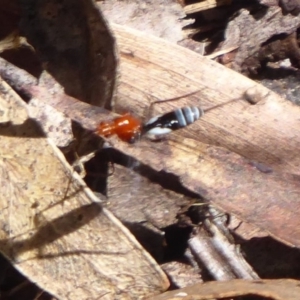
{"x":248,"y":32}
{"x":53,"y":228}
{"x":252,"y":131}
{"x":282,"y":289}
{"x":182,"y":275}
{"x":163,"y":19}
{"x":229,"y":182}
{"x":75,"y":45}
{"x":237,"y":127}
{"x":226,"y":179}
{"x":142,"y":199}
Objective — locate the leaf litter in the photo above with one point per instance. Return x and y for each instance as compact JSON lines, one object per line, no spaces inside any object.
{"x":183,"y":173}
{"x":55,"y":230}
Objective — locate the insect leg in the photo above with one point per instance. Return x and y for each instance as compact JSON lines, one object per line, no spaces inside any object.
{"x":169,"y":100}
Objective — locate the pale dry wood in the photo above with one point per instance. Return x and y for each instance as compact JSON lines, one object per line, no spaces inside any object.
{"x":222,"y":258}
{"x":147,"y":16}
{"x":270,"y":201}
{"x":219,"y":53}
{"x":246,"y":230}
{"x":258,"y":132}
{"x":150,"y":66}
{"x":268,"y":132}
{"x":53,"y":228}
{"x":204,"y":5}
{"x":280,"y":289}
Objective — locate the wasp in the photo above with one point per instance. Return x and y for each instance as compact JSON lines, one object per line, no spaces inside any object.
{"x":174,"y":120}
{"x":129,"y":129}
{"x":126,"y":127}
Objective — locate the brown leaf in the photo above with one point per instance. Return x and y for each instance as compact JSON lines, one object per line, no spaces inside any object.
{"x":160,"y":18}
{"x":53,"y":228}
{"x":265,"y":133}
{"x":224,"y":178}
{"x":75,"y":45}
{"x":142,"y":199}
{"x":230,"y":182}
{"x":281,"y":289}
{"x":248,"y":32}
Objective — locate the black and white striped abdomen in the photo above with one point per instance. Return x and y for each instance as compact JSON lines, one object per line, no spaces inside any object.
{"x":173,"y":120}
{"x":187,"y":115}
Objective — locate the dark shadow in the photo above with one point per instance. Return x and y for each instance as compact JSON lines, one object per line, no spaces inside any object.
{"x":9,"y":277}
{"x":13,"y":285}
{"x":168,"y":181}
{"x":163,"y":248}
{"x":31,"y":64}
{"x":47,"y":233}
{"x":176,"y":239}
{"x":52,"y":231}
{"x":29,"y":129}
{"x":151,"y":241}
{"x":75,"y":45}
{"x":268,"y":72}
{"x":98,"y":170}
{"x":271,"y":259}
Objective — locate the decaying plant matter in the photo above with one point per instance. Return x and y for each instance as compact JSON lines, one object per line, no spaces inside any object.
{"x":192,"y":196}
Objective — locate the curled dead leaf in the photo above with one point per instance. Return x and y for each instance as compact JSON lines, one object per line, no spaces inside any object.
{"x":53,"y":228}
